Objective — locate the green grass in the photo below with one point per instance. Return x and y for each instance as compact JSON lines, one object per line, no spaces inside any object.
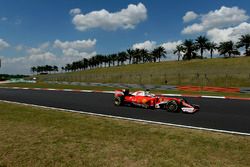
{"x":233,"y":72}
{"x":36,"y":137}
{"x":61,"y":86}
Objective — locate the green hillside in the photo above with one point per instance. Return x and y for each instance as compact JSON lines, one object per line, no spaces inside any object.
{"x":231,"y":72}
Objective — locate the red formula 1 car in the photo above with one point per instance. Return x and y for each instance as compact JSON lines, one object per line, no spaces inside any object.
{"x":147,"y":100}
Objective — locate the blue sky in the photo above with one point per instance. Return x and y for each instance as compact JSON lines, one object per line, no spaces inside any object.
{"x":50,"y":32}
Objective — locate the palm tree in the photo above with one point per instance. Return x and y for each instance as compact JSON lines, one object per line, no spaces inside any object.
{"x":189,"y":49}
{"x":228,"y":49}
{"x":33,"y":69}
{"x":68,"y":67}
{"x":93,"y":62}
{"x":202,"y":43}
{"x":154,"y":55}
{"x":211,"y":47}
{"x":144,"y":55}
{"x":85,"y":63}
{"x":109,"y":59}
{"x":178,"y":50}
{"x":122,"y":57}
{"x":137,"y":56}
{"x":63,"y":69}
{"x":131,"y":53}
{"x":55,"y":68}
{"x":159,"y":53}
{"x":244,"y":40}
{"x":113,"y":58}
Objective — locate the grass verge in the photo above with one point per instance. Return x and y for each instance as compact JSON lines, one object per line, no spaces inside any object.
{"x":36,"y":137}
{"x":61,"y":86}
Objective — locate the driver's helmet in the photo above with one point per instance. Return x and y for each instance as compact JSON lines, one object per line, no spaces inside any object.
{"x":147,"y":92}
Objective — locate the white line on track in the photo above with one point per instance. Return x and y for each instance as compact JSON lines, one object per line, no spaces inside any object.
{"x":214,"y":97}
{"x":131,"y":119}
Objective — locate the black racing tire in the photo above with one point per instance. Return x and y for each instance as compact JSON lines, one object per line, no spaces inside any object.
{"x":118,"y":101}
{"x":172,"y":106}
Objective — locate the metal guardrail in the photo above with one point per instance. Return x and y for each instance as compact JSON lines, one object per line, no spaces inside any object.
{"x":148,"y":86}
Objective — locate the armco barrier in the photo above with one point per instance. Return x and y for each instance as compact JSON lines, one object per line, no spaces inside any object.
{"x":209,"y":89}
{"x":122,"y":85}
{"x":160,"y":87}
{"x":244,"y":90}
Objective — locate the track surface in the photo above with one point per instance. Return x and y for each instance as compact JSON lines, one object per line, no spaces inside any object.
{"x":222,"y":114}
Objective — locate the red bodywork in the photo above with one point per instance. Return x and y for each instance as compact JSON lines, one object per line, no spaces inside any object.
{"x":151,"y":101}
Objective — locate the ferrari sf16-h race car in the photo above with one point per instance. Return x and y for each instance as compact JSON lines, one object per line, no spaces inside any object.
{"x":147,"y":100}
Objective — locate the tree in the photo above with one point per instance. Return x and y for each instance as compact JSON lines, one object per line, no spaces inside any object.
{"x":113,"y":58}
{"x":85,"y":63}
{"x":137,"y":56}
{"x":144,"y":55}
{"x":189,"y":49}
{"x":228,"y":49}
{"x":201,"y":43}
{"x":33,"y":69}
{"x":131,"y":53}
{"x":179,"y":49}
{"x":159,"y":53}
{"x":122,"y":57}
{"x":68,"y":67}
{"x":211,"y":47}
{"x":244,"y":41}
{"x":55,"y":68}
{"x":109,"y":59}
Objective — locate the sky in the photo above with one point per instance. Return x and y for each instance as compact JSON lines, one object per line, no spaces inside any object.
{"x":40,"y":32}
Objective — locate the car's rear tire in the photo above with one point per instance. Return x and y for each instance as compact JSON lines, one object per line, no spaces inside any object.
{"x":118,"y":101}
{"x":172,"y":106}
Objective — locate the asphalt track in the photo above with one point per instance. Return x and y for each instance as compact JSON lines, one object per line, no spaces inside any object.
{"x":222,"y":114}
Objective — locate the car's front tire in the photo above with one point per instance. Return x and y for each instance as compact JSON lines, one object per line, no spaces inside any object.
{"x":172,"y":106}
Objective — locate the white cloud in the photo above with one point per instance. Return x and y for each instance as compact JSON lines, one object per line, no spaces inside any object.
{"x":3,"y":18}
{"x":19,"y":47}
{"x":45,"y":54}
{"x":78,"y":44}
{"x":3,"y":44}
{"x":18,"y":21}
{"x":77,"y":53}
{"x":170,"y":46}
{"x":231,"y":33}
{"x":44,"y":45}
{"x":75,"y":11}
{"x":189,"y":16}
{"x":78,"y":48}
{"x":126,"y":18}
{"x":22,"y":65}
{"x":149,"y":45}
{"x":224,"y":17}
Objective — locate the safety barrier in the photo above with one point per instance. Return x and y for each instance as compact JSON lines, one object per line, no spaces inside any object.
{"x":159,"y":87}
